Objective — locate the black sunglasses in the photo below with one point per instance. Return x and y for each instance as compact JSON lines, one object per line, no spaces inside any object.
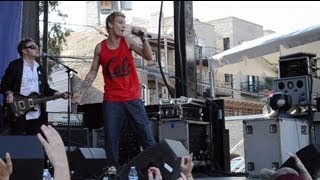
{"x":32,"y":47}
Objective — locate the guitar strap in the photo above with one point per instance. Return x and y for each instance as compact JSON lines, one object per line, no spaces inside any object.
{"x":40,"y":79}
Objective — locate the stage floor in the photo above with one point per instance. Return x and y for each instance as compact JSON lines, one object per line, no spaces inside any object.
{"x":235,"y":176}
{"x":225,"y":178}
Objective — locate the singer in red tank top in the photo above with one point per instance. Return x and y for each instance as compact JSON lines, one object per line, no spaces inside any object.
{"x":121,"y":100}
{"x":119,"y":71}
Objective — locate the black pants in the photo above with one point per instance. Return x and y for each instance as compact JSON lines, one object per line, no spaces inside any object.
{"x":25,"y":127}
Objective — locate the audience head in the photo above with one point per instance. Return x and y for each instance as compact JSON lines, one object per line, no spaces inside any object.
{"x":284,"y":173}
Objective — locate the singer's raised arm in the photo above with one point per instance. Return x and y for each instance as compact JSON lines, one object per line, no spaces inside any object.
{"x":144,"y":50}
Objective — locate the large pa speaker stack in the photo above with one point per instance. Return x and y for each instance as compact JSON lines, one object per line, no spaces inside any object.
{"x":298,"y":78}
{"x":26,"y":154}
{"x":302,"y":89}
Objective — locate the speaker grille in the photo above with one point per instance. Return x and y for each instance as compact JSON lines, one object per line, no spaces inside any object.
{"x":79,"y":137}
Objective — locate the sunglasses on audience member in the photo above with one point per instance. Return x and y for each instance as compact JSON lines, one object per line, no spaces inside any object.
{"x":32,"y":47}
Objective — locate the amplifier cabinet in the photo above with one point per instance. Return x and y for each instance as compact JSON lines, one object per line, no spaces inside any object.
{"x":97,"y":138}
{"x":61,"y":119}
{"x":192,"y":134}
{"x":298,"y":64}
{"x":129,"y":146}
{"x":79,"y":137}
{"x":181,"y":112}
{"x":268,"y":140}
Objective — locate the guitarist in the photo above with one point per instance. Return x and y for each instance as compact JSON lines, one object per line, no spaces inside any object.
{"x":25,"y":76}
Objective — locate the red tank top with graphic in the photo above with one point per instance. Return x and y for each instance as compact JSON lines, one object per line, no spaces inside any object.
{"x":121,"y":81}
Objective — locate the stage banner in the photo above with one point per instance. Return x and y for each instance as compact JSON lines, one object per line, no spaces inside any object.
{"x":10,"y":32}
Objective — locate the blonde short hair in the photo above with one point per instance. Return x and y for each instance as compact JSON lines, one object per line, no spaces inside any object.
{"x":112,"y":17}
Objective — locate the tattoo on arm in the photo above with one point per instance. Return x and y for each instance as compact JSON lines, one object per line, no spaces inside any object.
{"x":88,"y":81}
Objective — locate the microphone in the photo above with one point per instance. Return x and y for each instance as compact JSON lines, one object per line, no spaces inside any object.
{"x":140,"y":33}
{"x":50,"y":57}
{"x":46,"y":55}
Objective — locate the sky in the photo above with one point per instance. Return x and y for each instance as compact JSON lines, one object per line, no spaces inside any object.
{"x":279,"y":16}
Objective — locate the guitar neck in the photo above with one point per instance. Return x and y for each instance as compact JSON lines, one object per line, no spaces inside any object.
{"x":45,"y":99}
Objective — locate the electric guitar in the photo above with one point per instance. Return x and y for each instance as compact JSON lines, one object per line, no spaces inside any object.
{"x":21,"y":104}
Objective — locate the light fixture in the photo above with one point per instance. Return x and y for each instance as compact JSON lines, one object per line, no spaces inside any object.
{"x":280,"y":102}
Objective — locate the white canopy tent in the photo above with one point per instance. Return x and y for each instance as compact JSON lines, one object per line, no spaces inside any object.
{"x":268,"y":49}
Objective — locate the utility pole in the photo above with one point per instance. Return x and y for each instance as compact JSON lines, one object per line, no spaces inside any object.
{"x":45,"y":34}
{"x":185,"y":65}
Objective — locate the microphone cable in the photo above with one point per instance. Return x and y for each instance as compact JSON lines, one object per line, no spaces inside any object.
{"x":159,"y":52}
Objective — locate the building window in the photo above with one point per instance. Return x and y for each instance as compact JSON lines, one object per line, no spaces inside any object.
{"x":153,"y":96}
{"x":228,"y":78}
{"x":139,"y":62}
{"x":106,"y":4}
{"x":105,"y":7}
{"x":228,"y":81}
{"x":253,"y":83}
{"x":143,"y":92}
{"x":226,"y":43}
{"x":154,"y":56}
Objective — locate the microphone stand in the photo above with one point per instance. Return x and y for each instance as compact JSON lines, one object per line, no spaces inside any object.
{"x":68,"y":71}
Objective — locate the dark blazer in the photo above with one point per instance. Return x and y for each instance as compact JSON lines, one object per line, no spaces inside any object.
{"x":11,"y":81}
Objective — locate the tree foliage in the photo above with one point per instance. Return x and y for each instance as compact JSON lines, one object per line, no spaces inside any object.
{"x":267,"y":84}
{"x":57,"y":32}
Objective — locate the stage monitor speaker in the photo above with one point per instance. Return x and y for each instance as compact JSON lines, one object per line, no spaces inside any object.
{"x":165,"y":155}
{"x":26,"y":154}
{"x":309,"y":156}
{"x":88,"y":163}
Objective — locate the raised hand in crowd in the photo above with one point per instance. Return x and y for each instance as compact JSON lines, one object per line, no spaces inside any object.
{"x":302,"y":169}
{"x":154,"y":174}
{"x":5,"y":168}
{"x":55,"y":150}
{"x":186,"y":166}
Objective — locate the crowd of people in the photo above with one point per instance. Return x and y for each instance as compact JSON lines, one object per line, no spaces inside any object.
{"x":55,"y":150}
